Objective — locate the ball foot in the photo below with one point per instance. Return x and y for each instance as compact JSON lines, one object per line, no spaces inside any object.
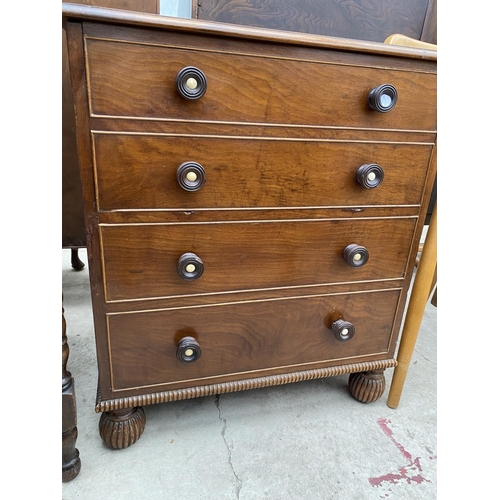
{"x":367,"y":386}
{"x":122,"y":428}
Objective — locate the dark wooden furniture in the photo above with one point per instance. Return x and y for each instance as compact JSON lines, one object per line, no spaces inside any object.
{"x":254,"y":201}
{"x":359,"y":20}
{"x":71,"y":463}
{"x":73,"y":229}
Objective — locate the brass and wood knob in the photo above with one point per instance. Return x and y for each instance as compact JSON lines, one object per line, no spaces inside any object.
{"x":343,"y":330}
{"x":370,"y":175}
{"x":191,"y":176}
{"x":188,"y":350}
{"x":383,"y":98}
{"x":190,"y":266}
{"x":191,"y":83}
{"x":355,"y":255}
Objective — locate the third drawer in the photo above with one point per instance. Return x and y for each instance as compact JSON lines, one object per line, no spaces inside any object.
{"x":145,"y":261}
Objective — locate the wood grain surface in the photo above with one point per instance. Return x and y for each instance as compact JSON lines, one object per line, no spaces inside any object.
{"x":140,"y":261}
{"x":139,"y":172}
{"x":281,"y":130}
{"x":132,"y":80}
{"x":358,"y":19}
{"x":247,"y":337}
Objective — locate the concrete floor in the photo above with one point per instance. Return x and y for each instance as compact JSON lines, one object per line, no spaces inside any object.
{"x":305,"y":441}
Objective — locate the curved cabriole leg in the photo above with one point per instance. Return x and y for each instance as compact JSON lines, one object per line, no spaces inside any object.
{"x":76,"y":263}
{"x":70,"y":456}
{"x":368,"y":386}
{"x":122,"y":428}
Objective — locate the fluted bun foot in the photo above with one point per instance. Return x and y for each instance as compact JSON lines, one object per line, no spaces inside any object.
{"x":367,"y":386}
{"x":122,"y":428}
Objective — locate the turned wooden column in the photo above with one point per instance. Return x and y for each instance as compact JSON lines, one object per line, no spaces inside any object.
{"x":70,"y":455}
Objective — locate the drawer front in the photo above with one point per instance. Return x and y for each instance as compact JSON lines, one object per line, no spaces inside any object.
{"x":127,"y":79}
{"x":246,"y":338}
{"x":141,"y":260}
{"x":140,"y":172}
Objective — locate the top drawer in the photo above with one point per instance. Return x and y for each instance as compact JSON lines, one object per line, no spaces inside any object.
{"x":136,"y":80}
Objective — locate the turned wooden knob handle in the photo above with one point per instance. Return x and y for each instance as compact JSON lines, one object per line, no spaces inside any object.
{"x":190,"y":266}
{"x":370,"y":175}
{"x":355,"y":255}
{"x":191,"y":176}
{"x":383,"y":98}
{"x":191,"y":83}
{"x":343,"y":330}
{"x":188,"y":350}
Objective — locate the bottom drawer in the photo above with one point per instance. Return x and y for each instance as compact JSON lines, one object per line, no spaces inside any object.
{"x":248,"y":339}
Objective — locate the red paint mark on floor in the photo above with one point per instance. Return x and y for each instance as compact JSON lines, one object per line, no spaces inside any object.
{"x":411,"y":472}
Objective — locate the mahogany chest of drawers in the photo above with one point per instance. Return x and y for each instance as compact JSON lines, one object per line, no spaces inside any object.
{"x":253,"y":202}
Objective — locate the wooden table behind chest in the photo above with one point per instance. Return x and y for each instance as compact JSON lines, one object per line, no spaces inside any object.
{"x":253,"y":200}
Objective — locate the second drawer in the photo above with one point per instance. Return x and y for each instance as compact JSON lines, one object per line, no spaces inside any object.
{"x":143,"y":261}
{"x":140,"y":172}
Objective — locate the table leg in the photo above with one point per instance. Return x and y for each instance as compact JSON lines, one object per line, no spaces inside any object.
{"x":76,"y":263}
{"x":70,"y":456}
